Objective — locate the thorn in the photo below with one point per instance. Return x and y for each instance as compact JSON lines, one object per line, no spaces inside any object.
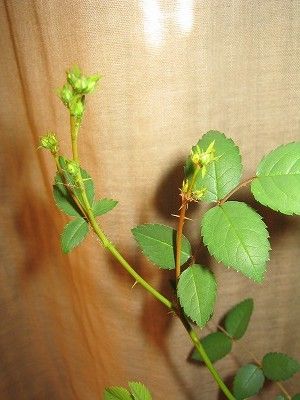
{"x":177,"y":216}
{"x":134,"y":284}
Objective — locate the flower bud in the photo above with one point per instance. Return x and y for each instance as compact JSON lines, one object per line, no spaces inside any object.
{"x":76,"y":107}
{"x":198,"y":194}
{"x":74,"y":75}
{"x":49,"y":142}
{"x":65,"y":94}
{"x":73,"y":167}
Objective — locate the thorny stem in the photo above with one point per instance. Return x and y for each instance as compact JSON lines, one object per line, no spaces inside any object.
{"x":257,"y":362}
{"x":179,"y":237}
{"x":184,"y":205}
{"x":186,"y":197}
{"x":239,"y":186}
{"x":114,"y":251}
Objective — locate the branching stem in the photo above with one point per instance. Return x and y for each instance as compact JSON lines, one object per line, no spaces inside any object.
{"x":257,"y":362}
{"x":117,"y":255}
{"x":239,"y":186}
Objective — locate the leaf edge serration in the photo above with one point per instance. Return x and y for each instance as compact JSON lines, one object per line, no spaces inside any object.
{"x":148,"y":258}
{"x":230,"y":266}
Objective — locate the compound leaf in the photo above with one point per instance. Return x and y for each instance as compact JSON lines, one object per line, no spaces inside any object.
{"x":158,"y":244}
{"x":222,"y":174}
{"x":117,"y":393}
{"x":277,"y":182}
{"x":139,"y":391}
{"x":63,"y":198}
{"x":236,"y":235}
{"x":217,"y":345}
{"x":103,"y":206}
{"x":279,"y":366}
{"x":237,"y":319}
{"x":197,"y":293}
{"x":248,"y":381}
{"x":73,"y":233}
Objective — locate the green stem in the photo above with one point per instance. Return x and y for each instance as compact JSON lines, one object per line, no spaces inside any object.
{"x":209,"y":365}
{"x":75,"y":125}
{"x":113,"y":250}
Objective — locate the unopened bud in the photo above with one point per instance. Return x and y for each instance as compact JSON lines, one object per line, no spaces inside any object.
{"x":76,"y":107}
{"x":198,"y":194}
{"x":65,"y":94}
{"x":73,"y":75}
{"x":49,"y":142}
{"x":185,"y":186}
{"x":73,"y":168}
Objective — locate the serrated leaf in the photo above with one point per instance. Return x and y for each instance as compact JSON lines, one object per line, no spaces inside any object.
{"x":277,"y":182}
{"x":197,"y":293}
{"x":117,"y":393}
{"x":103,"y":206}
{"x":248,"y":381}
{"x":73,"y":233}
{"x":222,"y":174}
{"x":216,"y":345}
{"x":139,"y":391}
{"x":87,"y":181}
{"x":237,"y":319}
{"x":279,"y":366}
{"x":64,"y":200}
{"x":158,"y":244}
{"x":236,"y":235}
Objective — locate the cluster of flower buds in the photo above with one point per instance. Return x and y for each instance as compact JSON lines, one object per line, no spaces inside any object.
{"x":72,"y":94}
{"x":203,"y":158}
{"x":49,"y":142}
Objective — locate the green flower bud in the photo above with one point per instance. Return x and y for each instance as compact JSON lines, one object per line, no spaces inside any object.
{"x":198,"y":194}
{"x":76,"y":107}
{"x":65,"y":94}
{"x":92,"y":82}
{"x":73,"y":168}
{"x":80,"y":83}
{"x":73,"y":75}
{"x":185,"y":186}
{"x":49,"y":142}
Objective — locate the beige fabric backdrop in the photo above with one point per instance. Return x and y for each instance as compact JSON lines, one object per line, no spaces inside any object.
{"x":71,"y":325}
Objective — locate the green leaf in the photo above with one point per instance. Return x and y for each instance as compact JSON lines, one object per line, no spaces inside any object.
{"x":237,"y":319}
{"x":222,"y":174}
{"x":248,"y":381}
{"x":117,"y":393}
{"x":280,"y":397}
{"x":296,"y":397}
{"x":197,"y":293}
{"x":73,"y":233}
{"x":64,"y":200}
{"x":277,"y":182}
{"x":158,"y":244}
{"x":217,"y":345}
{"x":279,"y":366}
{"x":139,"y":391}
{"x":87,"y":181}
{"x":236,"y":235}
{"x":103,"y":206}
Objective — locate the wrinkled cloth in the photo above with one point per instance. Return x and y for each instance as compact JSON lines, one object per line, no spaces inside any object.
{"x":71,"y":325}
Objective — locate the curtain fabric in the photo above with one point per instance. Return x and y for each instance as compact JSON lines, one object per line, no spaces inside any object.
{"x":172,"y":70}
